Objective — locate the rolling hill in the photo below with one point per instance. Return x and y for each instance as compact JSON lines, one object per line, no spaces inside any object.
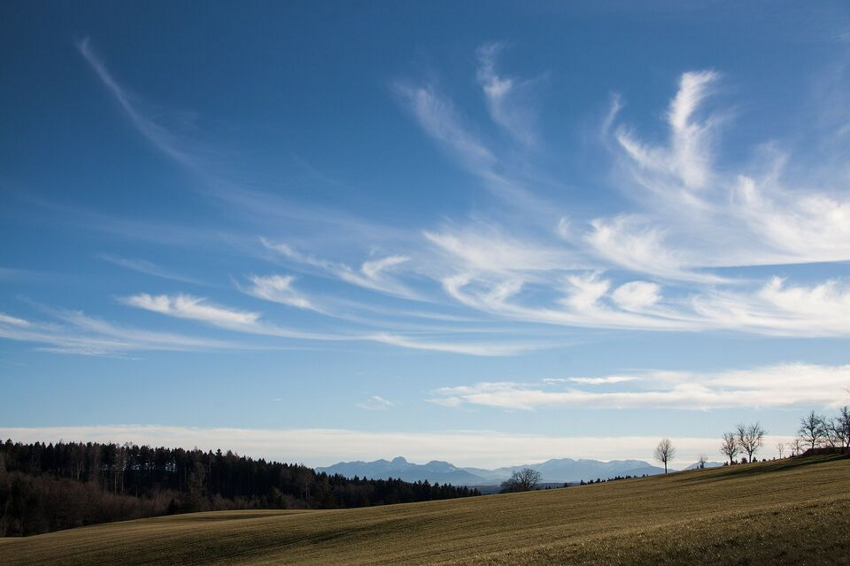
{"x":794,"y":511}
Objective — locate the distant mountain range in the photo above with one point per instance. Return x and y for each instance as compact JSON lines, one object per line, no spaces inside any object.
{"x":552,"y":471}
{"x":433,"y":471}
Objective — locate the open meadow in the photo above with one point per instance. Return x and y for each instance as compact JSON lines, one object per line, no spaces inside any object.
{"x":793,"y":511}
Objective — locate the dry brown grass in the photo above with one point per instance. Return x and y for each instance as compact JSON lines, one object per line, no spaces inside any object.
{"x":785,"y":512}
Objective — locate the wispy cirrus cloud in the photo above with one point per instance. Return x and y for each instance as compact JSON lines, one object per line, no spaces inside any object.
{"x":780,"y":309}
{"x":160,"y":136}
{"x":717,"y":216}
{"x":203,"y":161}
{"x":602,"y":380}
{"x":437,"y":115}
{"x":507,"y":98}
{"x":376,"y":403}
{"x":201,"y":310}
{"x":636,"y":296}
{"x":147,"y":267}
{"x":692,"y":215}
{"x":375,"y":275}
{"x":439,"y":118}
{"x":585,"y":300}
{"x":278,"y":289}
{"x":591,"y":301}
{"x":788,"y":385}
{"x":483,"y":349}
{"x":194,"y":308}
{"x":486,"y":248}
{"x":688,"y":157}
{"x":74,"y":332}
{"x":641,"y":246}
{"x":693,"y":219}
{"x":13,"y":321}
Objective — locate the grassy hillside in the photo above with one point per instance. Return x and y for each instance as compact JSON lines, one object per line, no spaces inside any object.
{"x":786,"y":512}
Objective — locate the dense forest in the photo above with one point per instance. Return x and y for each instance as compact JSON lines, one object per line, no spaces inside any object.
{"x":48,"y":487}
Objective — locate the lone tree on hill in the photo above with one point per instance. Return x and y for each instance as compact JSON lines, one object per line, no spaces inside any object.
{"x":729,"y":447}
{"x":812,"y":429}
{"x":665,"y":452}
{"x":525,"y":479}
{"x":780,"y":447}
{"x":750,"y":439}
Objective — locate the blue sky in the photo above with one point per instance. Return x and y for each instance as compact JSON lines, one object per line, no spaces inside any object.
{"x":324,"y":232}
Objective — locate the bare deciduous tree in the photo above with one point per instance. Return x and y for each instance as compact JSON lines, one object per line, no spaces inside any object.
{"x":812,"y":429}
{"x":729,"y":447}
{"x":780,"y":447}
{"x":525,"y":479}
{"x":665,"y":452}
{"x":832,"y":436}
{"x":702,"y":460}
{"x":795,"y":446}
{"x":837,"y":430}
{"x":843,"y":422}
{"x":750,"y":439}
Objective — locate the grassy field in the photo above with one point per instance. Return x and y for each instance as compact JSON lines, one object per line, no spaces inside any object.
{"x":786,"y":512}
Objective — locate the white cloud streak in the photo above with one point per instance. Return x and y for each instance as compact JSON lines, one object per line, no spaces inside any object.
{"x":376,"y":403}
{"x":506,"y":97}
{"x":193,"y":308}
{"x":147,"y":267}
{"x":488,"y":349}
{"x":437,"y":115}
{"x":278,"y":289}
{"x":160,"y":136}
{"x":488,"y":249}
{"x":375,"y":275}
{"x":585,"y":301}
{"x":779,"y":309}
{"x":201,"y":310}
{"x":77,"y":333}
{"x":641,"y":246}
{"x":780,"y":386}
{"x":600,"y":380}
{"x":439,"y":118}
{"x":688,"y":157}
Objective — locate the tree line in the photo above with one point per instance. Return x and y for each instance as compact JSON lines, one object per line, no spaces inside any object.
{"x":820,"y":431}
{"x":816,"y":432}
{"x":48,"y":487}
